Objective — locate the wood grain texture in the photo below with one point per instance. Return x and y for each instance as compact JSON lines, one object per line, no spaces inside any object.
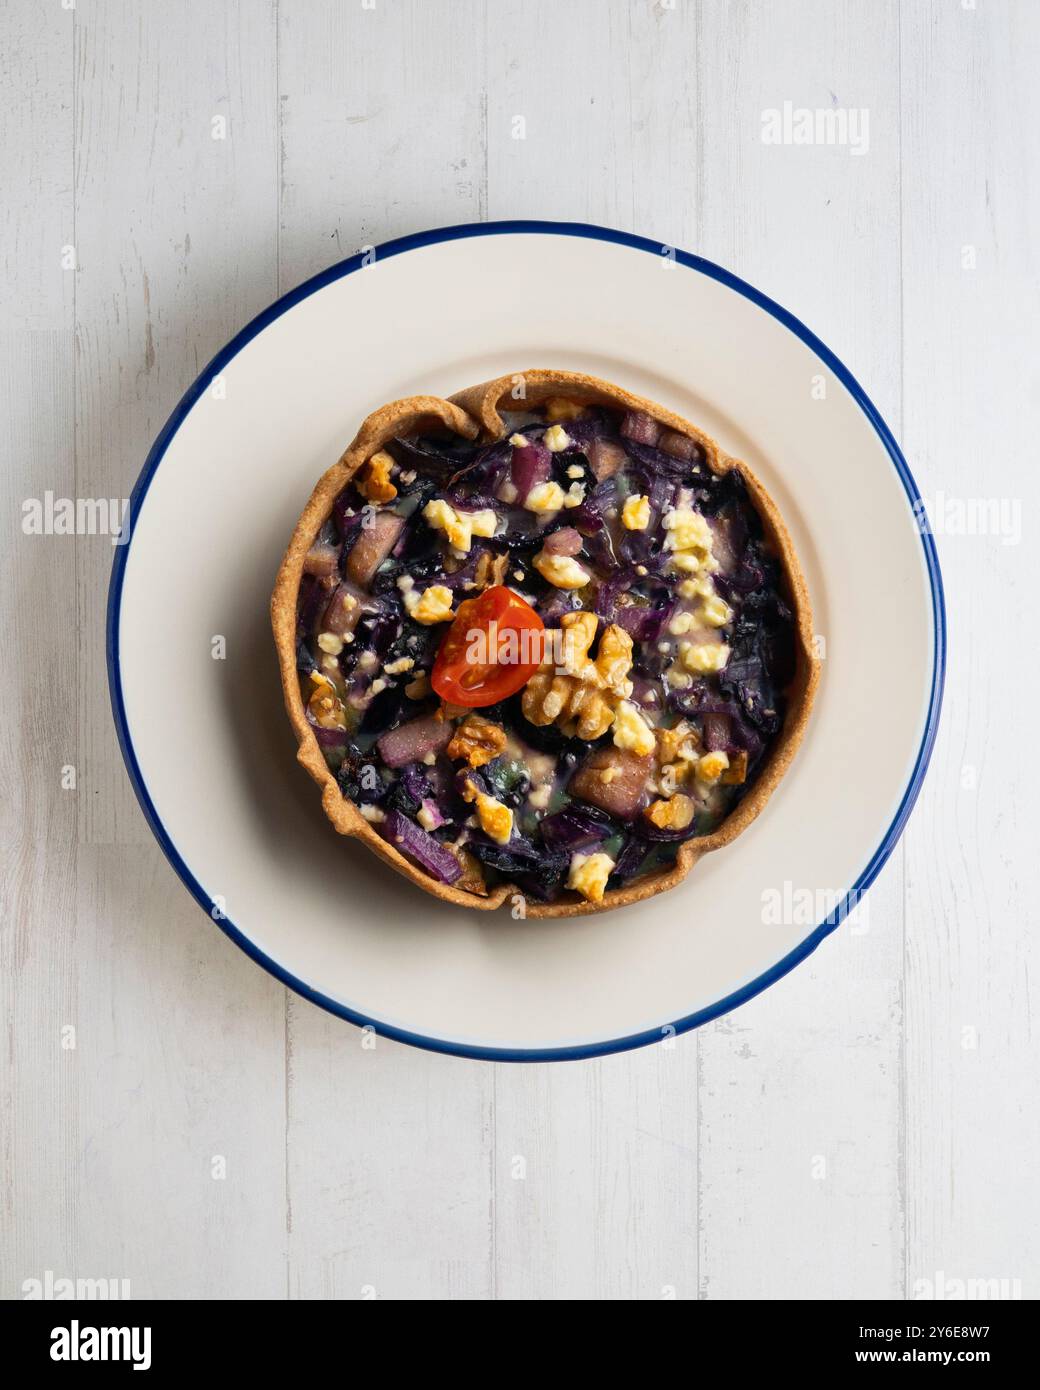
{"x":818,"y":1119}
{"x":865,"y":1124}
{"x":971,"y":287}
{"x":39,"y":817}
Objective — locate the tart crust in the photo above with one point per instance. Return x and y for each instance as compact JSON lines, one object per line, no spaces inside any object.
{"x":474,"y":414}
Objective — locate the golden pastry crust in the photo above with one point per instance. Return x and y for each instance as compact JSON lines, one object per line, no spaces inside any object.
{"x":474,"y":414}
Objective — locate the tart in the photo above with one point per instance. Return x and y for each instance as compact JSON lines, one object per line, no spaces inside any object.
{"x":543,"y":644}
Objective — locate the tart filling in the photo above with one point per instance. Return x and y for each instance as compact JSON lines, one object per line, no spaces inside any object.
{"x":548,"y":660}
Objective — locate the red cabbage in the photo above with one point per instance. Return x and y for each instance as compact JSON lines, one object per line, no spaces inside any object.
{"x":417,"y":844}
{"x":575,"y":826}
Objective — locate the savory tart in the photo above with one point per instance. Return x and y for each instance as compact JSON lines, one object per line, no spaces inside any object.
{"x":542,"y":639}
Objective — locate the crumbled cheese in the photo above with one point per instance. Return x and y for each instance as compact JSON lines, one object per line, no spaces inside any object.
{"x":329,"y":642}
{"x":540,"y":796}
{"x":434,"y":606}
{"x":367,"y":661}
{"x":518,"y":575}
{"x":635,"y":514}
{"x":588,"y":875}
{"x":562,"y":571}
{"x":677,"y":679}
{"x":682,"y":622}
{"x":575,"y":471}
{"x":545,"y":497}
{"x":559,"y":408}
{"x":702,"y":587}
{"x":518,"y":441}
{"x":686,"y":560}
{"x":556,"y":439}
{"x":711,"y":767}
{"x":575,"y":495}
{"x":507,"y":492}
{"x":687,"y":530}
{"x":631,"y":730}
{"x":429,"y":759}
{"x":715,"y":612}
{"x":460,"y":527}
{"x":675,"y":814}
{"x":426,"y":818}
{"x":495,"y":819}
{"x":378,"y":686}
{"x":405,"y":582}
{"x":372,"y":814}
{"x":398,"y":667}
{"x":703,"y":658}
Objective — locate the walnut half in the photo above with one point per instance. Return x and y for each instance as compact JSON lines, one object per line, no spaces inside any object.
{"x":585,"y":694}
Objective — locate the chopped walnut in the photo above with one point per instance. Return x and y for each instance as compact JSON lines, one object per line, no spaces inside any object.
{"x":491,"y":570}
{"x":588,"y":692}
{"x":614,"y":661}
{"x":374,"y":483}
{"x":737,"y":770}
{"x":679,"y":743}
{"x":675,"y":814}
{"x":472,"y":880}
{"x":477,"y":741}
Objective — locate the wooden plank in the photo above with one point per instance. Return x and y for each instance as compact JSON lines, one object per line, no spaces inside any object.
{"x":607,"y":1207}
{"x":389,"y":1170}
{"x":176,"y":248}
{"x":800,"y":1106}
{"x":176,"y":1176}
{"x":382,"y":125}
{"x":38,"y":815}
{"x":971,"y":288}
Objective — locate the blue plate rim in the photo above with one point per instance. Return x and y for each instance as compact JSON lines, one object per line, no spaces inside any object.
{"x":397,"y":247}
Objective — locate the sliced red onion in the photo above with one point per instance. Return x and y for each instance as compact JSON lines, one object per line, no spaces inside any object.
{"x":374,"y":543}
{"x":427,"y":852}
{"x":411,"y":742}
{"x":433,"y":814}
{"x":641,"y":427}
{"x":531,"y":465}
{"x":565,"y":541}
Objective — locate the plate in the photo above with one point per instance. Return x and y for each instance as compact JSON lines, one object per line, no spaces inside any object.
{"x":194,"y":679}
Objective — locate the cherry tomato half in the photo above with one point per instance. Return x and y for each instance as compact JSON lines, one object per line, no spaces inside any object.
{"x":492,"y":648}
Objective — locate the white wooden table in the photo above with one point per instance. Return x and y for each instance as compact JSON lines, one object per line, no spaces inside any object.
{"x":170,"y":1114}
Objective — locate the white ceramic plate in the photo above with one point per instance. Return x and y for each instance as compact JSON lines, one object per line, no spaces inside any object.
{"x":210,"y":750}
